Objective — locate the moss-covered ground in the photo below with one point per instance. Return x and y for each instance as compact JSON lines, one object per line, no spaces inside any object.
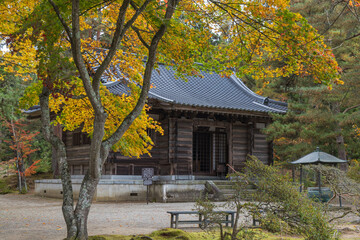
{"x":177,"y":234}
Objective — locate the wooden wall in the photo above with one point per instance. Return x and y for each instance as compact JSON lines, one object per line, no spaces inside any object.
{"x":182,"y":161}
{"x":173,"y":151}
{"x":261,"y":148}
{"x":240,"y":144}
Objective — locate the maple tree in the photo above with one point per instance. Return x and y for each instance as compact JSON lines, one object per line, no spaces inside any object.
{"x":76,"y":45}
{"x":21,"y":144}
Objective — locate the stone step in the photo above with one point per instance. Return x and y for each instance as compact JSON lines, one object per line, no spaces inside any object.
{"x":223,"y":183}
{"x":228,"y":191}
{"x":225,"y":186}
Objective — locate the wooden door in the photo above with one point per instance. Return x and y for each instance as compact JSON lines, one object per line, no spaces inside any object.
{"x":202,"y":150}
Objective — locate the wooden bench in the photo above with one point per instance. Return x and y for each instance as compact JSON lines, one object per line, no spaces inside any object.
{"x":174,"y":218}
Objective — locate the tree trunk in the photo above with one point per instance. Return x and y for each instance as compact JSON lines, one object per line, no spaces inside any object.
{"x":23,"y":177}
{"x":77,"y":220}
{"x":60,"y":149}
{"x":86,"y":195}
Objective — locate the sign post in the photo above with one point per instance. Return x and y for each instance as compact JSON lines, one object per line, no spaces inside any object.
{"x":147,"y":174}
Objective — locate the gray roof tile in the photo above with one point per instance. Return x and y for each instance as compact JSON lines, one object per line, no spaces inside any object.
{"x":211,"y":91}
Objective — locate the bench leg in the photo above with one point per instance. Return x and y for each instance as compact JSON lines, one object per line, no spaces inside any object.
{"x":227,"y":220}
{"x":232,"y":219}
{"x":200,"y":219}
{"x":172,"y":221}
{"x":176,"y":220}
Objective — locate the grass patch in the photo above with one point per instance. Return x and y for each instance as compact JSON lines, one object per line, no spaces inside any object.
{"x":177,"y":234}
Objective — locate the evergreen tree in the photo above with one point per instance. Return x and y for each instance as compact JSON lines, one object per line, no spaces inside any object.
{"x":318,"y":116}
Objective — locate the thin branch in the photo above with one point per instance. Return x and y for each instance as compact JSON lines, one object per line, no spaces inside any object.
{"x":140,"y":37}
{"x":337,"y":18}
{"x":119,"y":34}
{"x":57,"y":11}
{"x":114,"y":44}
{"x":341,"y":216}
{"x":352,"y":107}
{"x":108,"y":2}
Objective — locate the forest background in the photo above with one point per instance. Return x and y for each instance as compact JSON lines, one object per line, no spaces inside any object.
{"x":317,"y":116}
{"x":278,"y":54}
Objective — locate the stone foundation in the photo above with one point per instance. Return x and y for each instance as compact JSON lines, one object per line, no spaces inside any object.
{"x":130,"y":188}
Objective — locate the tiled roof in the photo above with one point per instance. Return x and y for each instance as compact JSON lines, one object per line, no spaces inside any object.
{"x":318,"y":157}
{"x":212,"y":91}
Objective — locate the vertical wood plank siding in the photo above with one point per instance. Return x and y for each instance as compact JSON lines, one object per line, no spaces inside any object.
{"x":184,"y":138}
{"x":239,"y":145}
{"x":261,"y":147}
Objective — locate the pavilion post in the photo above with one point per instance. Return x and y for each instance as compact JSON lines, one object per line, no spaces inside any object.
{"x":301,"y":170}
{"x":319,"y":183}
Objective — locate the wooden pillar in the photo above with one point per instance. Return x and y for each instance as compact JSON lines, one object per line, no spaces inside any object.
{"x":54,"y":158}
{"x":319,"y":182}
{"x":250,"y":138}
{"x":230,"y":144}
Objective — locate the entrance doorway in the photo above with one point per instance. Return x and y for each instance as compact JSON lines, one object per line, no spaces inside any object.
{"x":210,"y":151}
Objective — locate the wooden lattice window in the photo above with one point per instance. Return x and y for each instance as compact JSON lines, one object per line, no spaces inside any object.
{"x":220,"y":150}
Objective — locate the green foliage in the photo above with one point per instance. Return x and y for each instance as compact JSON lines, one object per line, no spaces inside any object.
{"x":354,"y":170}
{"x":45,"y":151}
{"x":341,"y":185}
{"x":11,"y":88}
{"x":273,"y":224}
{"x":276,"y":195}
{"x":4,"y":187}
{"x":277,"y":203}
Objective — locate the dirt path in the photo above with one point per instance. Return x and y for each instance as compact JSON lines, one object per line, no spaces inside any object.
{"x":28,"y":217}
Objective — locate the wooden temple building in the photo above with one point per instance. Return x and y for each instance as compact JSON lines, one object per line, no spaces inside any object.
{"x":208,"y":122}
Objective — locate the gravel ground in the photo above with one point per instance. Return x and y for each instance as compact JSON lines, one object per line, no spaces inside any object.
{"x":29,"y":217}
{"x":34,"y":218}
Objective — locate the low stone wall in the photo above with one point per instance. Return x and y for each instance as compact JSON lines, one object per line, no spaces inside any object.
{"x":130,"y":188}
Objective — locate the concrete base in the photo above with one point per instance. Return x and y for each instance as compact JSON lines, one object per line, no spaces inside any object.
{"x":130,"y":188}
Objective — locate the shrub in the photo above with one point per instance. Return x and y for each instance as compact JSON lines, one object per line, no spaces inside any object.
{"x":276,"y":195}
{"x":354,"y":170}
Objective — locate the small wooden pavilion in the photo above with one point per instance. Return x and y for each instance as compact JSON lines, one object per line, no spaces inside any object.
{"x":317,"y":157}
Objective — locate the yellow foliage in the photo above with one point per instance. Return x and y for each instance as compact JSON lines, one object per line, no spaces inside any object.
{"x":248,"y":36}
